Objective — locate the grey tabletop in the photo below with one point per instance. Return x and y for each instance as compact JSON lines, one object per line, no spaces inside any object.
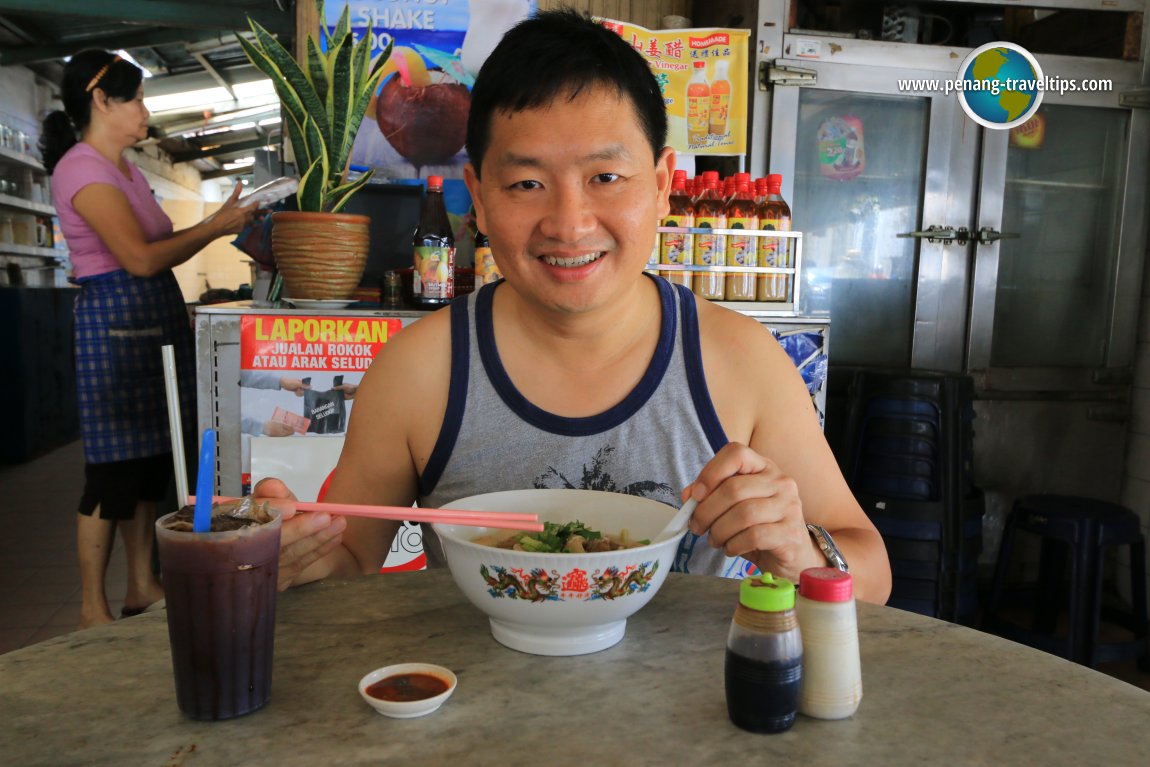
{"x":934,"y":693}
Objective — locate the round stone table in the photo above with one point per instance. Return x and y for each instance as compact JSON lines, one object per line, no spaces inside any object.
{"x":934,"y":693}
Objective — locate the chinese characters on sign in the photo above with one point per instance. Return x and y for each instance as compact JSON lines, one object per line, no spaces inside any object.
{"x":703,"y":76}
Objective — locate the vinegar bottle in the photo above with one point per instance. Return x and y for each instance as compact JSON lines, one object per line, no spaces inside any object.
{"x":760,"y":190}
{"x":698,"y":105}
{"x":832,"y":673}
{"x":741,"y":251}
{"x":775,"y":216}
{"x":433,"y":281}
{"x":678,"y":248}
{"x":710,"y":249}
{"x":764,"y":664}
{"x":720,"y":100}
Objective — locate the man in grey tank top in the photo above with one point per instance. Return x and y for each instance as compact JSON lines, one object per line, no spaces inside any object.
{"x":578,"y":369}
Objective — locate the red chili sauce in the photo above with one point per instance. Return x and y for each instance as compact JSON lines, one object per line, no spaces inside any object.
{"x":407,"y":687}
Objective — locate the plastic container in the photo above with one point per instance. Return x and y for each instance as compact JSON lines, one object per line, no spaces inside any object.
{"x":764,"y":665}
{"x":270,"y":193}
{"x":832,"y":672}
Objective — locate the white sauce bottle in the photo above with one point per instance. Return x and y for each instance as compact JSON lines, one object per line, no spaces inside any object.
{"x":832,"y":672}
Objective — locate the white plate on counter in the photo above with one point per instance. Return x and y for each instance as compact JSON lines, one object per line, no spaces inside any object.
{"x":318,"y":303}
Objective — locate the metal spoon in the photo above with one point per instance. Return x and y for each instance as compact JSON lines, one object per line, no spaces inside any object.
{"x":678,"y":522}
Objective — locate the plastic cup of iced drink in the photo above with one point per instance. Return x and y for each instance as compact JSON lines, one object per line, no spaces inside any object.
{"x":220,"y":590}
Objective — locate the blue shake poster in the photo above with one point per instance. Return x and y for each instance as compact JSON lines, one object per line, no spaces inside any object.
{"x":415,"y":126}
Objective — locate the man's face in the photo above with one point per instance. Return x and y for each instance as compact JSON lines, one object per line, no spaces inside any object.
{"x":570,"y":198}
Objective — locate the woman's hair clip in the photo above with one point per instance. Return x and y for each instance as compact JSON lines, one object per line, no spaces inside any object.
{"x":103,"y":71}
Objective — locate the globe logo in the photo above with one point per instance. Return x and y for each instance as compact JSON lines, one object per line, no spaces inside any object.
{"x":1000,"y":85}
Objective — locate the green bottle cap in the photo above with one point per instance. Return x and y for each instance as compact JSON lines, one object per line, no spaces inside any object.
{"x":766,"y":593}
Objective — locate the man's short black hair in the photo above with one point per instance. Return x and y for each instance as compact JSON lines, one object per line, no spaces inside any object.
{"x":555,"y":54}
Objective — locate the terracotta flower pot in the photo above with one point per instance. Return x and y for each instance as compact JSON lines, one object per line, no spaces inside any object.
{"x":320,"y":255}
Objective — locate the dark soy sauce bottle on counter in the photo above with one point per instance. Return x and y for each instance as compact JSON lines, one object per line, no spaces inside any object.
{"x":764,"y":667}
{"x":433,"y":277}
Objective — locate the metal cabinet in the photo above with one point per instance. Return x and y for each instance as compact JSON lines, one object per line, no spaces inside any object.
{"x":956,"y":249}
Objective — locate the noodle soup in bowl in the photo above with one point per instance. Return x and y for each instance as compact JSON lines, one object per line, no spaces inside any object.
{"x":561,"y":603}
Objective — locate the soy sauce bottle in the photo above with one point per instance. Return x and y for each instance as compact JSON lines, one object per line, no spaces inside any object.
{"x":764,"y":666}
{"x":433,"y":281}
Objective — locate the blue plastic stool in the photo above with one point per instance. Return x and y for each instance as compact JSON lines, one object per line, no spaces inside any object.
{"x":1086,"y":528}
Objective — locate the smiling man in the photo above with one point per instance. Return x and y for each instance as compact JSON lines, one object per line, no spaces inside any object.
{"x":579,"y":370}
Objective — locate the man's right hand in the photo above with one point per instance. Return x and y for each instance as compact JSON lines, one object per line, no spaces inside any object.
{"x":306,"y":537}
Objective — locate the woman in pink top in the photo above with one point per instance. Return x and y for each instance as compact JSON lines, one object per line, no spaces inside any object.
{"x":123,"y":249}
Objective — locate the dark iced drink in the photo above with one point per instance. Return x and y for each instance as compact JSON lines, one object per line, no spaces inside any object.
{"x":220,"y":589}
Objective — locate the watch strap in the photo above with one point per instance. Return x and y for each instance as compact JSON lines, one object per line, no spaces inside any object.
{"x":827,"y":545}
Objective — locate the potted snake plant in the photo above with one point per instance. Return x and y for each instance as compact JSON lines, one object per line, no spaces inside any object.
{"x":321,"y":252}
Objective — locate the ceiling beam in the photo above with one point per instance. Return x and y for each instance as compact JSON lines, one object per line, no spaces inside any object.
{"x":126,"y":41}
{"x":19,"y":31}
{"x":219,"y":149}
{"x":224,"y":172}
{"x":164,"y":13}
{"x":207,"y":65}
{"x":175,"y":127}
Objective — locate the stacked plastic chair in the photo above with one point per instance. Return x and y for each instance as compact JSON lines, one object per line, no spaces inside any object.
{"x":906,"y":450}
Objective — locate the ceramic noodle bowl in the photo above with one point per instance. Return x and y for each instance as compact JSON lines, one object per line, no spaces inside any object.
{"x":561,"y":604}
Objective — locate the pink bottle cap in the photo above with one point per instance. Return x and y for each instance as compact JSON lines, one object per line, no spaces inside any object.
{"x":826,"y":584}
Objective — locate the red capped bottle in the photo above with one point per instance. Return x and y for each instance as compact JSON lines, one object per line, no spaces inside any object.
{"x":741,"y":251}
{"x":832,"y":670}
{"x":674,"y":247}
{"x":433,"y":283}
{"x":710,"y":249}
{"x":774,"y":215}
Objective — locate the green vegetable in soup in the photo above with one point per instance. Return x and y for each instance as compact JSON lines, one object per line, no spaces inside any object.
{"x":558,"y":539}
{"x":554,"y":537}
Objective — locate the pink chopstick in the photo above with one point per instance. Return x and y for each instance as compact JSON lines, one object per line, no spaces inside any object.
{"x":507,"y":520}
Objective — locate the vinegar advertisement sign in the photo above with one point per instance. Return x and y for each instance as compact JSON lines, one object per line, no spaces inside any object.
{"x":702,"y":74}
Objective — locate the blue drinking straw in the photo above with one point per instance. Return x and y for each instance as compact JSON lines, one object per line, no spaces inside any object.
{"x":205,"y":483}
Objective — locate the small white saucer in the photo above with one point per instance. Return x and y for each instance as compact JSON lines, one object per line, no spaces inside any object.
{"x":317,"y":303}
{"x":411,"y":708}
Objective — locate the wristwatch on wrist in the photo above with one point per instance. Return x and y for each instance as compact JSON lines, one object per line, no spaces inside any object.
{"x":827,"y":544}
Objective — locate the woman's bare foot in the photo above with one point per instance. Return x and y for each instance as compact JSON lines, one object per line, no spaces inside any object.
{"x":88,"y":621}
{"x":138,"y":600}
